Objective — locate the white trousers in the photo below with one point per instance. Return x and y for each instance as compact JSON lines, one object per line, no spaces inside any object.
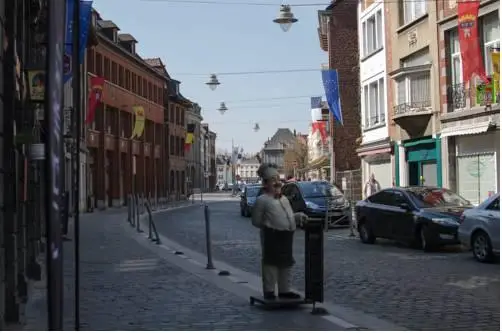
{"x":272,"y":276}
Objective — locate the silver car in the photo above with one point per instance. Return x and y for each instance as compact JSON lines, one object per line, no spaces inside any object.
{"x":480,"y":229}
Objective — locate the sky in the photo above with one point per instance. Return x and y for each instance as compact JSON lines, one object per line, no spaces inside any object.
{"x":195,"y":40}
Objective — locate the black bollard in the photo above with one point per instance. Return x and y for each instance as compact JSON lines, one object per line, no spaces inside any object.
{"x":207,"y":221}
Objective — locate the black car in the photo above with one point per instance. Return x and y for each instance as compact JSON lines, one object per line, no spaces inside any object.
{"x":427,"y":217}
{"x":312,"y":198}
{"x":248,"y":199}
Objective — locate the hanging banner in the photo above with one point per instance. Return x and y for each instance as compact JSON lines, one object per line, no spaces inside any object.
{"x":95,"y":97}
{"x":470,"y":49}
{"x":332,"y":91}
{"x":318,"y":124}
{"x":189,"y":139}
{"x":36,"y":85}
{"x":85,"y":21}
{"x":139,"y":124}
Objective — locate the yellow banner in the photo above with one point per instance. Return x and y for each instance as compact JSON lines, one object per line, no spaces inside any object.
{"x":139,"y":124}
{"x":189,"y":139}
{"x":496,"y":65}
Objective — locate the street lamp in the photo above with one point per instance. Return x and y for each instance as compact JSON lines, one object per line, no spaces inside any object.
{"x":223,"y":108}
{"x":285,"y":19}
{"x":213,"y":82}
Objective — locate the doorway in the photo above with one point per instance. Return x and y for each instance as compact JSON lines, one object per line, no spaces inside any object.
{"x":422,"y":173}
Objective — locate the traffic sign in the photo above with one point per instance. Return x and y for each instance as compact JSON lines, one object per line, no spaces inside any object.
{"x":66,"y":64}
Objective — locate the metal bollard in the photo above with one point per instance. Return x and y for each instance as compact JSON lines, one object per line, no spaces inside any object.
{"x":207,"y":221}
{"x":133,"y":210}
{"x":138,"y":214}
{"x":352,"y":220}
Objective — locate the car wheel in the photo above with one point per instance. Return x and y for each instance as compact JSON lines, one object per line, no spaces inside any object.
{"x":482,"y":247}
{"x":242,"y":212}
{"x":423,"y":239}
{"x":365,"y":233}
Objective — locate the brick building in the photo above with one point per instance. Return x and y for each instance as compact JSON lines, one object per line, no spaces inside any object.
{"x":212,"y":160}
{"x":119,"y":165}
{"x":470,"y":122}
{"x":338,"y":25}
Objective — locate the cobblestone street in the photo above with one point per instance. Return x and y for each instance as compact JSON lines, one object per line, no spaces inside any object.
{"x":127,"y":286}
{"x":445,"y":290}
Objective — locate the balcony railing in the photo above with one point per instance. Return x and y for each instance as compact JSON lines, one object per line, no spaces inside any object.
{"x":405,"y":108}
{"x":463,"y":95}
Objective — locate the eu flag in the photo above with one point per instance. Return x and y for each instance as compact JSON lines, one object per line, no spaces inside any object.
{"x":332,"y":91}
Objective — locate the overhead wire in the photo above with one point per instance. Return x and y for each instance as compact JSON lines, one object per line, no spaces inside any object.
{"x":270,"y":4}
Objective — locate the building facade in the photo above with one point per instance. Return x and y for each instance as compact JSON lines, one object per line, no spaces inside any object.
{"x":193,"y":160}
{"x":375,"y":149}
{"x":338,"y":25}
{"x":470,"y":121}
{"x":274,"y":148}
{"x":414,"y":91}
{"x":247,"y":169}
{"x":318,"y":156}
{"x":212,"y":160}
{"x":223,"y":170}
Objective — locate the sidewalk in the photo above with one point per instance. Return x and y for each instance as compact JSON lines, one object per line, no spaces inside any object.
{"x":127,"y":286}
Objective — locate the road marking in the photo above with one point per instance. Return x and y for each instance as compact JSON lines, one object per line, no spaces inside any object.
{"x":340,"y":322}
{"x":473,"y":282}
{"x":137,"y":265}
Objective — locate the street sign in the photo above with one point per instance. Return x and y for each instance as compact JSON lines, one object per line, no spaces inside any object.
{"x":66,"y":64}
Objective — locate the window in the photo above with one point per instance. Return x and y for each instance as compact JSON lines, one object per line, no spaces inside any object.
{"x":99,"y":64}
{"x":134,"y":86}
{"x":90,"y":60}
{"x":413,"y":10}
{"x":372,"y":30}
{"x":107,"y":68}
{"x":115,"y":74}
{"x":413,"y":82}
{"x":456,"y":60}
{"x":381,"y":198}
{"x":127,"y":79}
{"x":374,"y":103}
{"x":491,"y":39}
{"x":121,"y":76}
{"x":495,"y":205}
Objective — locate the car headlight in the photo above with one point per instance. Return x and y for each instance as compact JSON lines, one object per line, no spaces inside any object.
{"x":447,"y":222}
{"x":311,"y":205}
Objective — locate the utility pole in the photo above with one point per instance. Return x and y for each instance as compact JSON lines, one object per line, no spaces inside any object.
{"x":77,"y":98}
{"x":54,"y":159}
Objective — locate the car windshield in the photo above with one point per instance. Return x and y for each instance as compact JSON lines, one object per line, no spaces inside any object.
{"x":437,"y":197}
{"x":252,"y":191}
{"x":318,"y":189}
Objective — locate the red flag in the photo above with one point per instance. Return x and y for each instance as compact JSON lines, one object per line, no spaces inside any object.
{"x":321,"y":127}
{"x":95,"y":97}
{"x":468,"y":35}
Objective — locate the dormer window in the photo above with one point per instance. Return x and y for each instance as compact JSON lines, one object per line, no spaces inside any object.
{"x":133,"y":48}
{"x":114,"y":34}
{"x":177,"y":88}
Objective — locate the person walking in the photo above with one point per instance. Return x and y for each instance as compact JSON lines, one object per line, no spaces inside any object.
{"x":372,"y":186}
{"x":274,"y":216}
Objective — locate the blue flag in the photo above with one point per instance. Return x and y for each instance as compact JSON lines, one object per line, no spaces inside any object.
{"x":85,"y":21}
{"x":332,"y":91}
{"x":316,"y":102}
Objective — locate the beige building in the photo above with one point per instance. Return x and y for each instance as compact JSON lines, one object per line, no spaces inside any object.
{"x":414,"y":91}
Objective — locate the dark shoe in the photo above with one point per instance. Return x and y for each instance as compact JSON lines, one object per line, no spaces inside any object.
{"x":289,"y":295}
{"x":269,"y":296}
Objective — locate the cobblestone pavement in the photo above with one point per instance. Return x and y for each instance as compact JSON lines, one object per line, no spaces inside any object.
{"x":447,"y":290}
{"x":126,"y":286}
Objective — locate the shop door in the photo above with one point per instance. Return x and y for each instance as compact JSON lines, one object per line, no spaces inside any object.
{"x":422,"y":173}
{"x":476,"y":177}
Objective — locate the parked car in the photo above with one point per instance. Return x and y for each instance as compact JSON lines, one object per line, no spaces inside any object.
{"x":427,"y":217}
{"x":248,"y":199}
{"x":312,"y":199}
{"x":480,"y":229}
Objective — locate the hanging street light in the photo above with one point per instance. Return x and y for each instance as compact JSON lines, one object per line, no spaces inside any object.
{"x":285,"y":19}
{"x":223,"y":108}
{"x":213,"y":82}
{"x":256,"y":127}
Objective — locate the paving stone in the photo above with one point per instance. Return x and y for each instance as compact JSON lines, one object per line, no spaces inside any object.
{"x":434,"y":291}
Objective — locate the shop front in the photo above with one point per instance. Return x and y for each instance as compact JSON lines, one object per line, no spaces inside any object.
{"x":376,"y":159}
{"x":476,"y":165}
{"x":418,"y":162}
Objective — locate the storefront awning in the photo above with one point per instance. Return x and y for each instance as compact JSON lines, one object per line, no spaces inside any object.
{"x":317,"y":164}
{"x":468,"y":129}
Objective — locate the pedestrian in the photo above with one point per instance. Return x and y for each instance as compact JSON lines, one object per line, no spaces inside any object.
{"x":372,"y":186}
{"x":277,"y":222}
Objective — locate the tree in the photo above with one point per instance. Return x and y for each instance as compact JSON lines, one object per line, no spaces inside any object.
{"x":296,"y":157}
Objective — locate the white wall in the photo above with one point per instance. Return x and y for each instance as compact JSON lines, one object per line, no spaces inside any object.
{"x":372,"y":69}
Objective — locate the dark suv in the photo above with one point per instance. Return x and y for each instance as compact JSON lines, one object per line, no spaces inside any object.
{"x":312,"y":199}
{"x":248,"y":199}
